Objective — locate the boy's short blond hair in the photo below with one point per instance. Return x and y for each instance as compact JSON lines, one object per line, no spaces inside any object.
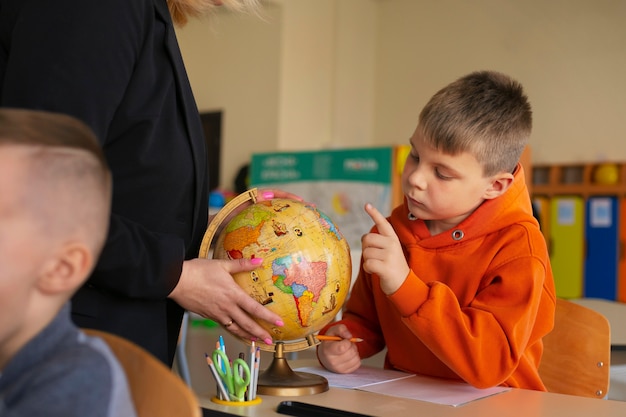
{"x":484,"y":113}
{"x":67,"y":186}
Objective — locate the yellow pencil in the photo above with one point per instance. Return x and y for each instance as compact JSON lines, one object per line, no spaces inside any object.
{"x":337,"y":338}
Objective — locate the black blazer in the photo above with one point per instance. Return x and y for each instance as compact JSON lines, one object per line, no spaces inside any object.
{"x":116,"y":65}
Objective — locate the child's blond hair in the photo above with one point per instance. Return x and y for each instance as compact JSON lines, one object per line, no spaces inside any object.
{"x":484,"y":113}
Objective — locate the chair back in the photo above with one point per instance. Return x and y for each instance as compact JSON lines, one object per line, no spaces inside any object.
{"x":156,"y":391}
{"x":577,"y":353}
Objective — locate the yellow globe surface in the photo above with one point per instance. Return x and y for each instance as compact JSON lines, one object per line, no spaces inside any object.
{"x":306,"y":271}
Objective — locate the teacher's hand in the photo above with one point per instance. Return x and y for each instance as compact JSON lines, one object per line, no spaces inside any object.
{"x":206,"y":287}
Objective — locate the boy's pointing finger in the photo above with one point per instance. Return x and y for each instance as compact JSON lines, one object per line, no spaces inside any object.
{"x":383,"y":226}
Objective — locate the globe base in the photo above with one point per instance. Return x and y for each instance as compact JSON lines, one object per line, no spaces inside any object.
{"x":280,"y":380}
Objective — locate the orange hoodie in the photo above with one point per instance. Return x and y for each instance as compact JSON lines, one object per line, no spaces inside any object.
{"x":472,"y":308}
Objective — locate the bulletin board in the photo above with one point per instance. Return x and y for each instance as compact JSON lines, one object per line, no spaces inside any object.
{"x":339,"y":182}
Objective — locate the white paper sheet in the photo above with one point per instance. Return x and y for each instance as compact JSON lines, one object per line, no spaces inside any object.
{"x":400,"y":384}
{"x":433,"y":390}
{"x":363,"y":376}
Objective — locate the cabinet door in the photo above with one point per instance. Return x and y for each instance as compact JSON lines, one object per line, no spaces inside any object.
{"x":601,"y":232}
{"x":566,"y":245}
{"x":621,"y":284}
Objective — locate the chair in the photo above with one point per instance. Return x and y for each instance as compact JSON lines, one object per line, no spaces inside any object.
{"x":576,"y":356}
{"x":155,"y":389}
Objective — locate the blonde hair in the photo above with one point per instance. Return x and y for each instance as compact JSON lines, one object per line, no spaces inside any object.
{"x":485,"y":113}
{"x":182,"y":10}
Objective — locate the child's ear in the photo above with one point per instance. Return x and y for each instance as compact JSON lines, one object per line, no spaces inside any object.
{"x":499,"y":184}
{"x":66,"y":271}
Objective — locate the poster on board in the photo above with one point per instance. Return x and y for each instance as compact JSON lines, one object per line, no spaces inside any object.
{"x":339,"y":182}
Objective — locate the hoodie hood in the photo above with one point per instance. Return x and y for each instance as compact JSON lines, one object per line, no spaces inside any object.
{"x":514,"y":206}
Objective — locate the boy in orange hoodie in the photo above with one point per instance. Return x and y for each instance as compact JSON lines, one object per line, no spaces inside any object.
{"x":456,"y":283}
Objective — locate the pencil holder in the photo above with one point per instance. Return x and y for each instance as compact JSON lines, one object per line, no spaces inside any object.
{"x":256,"y":401}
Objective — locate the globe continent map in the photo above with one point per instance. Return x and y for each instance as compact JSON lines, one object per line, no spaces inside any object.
{"x":306,"y":270}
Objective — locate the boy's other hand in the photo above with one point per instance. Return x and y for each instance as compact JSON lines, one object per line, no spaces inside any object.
{"x":382,"y":253}
{"x":340,"y":356}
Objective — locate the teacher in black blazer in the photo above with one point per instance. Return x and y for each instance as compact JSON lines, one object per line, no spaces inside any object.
{"x":116,"y":65}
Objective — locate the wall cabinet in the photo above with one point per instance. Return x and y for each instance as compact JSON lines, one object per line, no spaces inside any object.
{"x":583,"y":217}
{"x":584,"y":180}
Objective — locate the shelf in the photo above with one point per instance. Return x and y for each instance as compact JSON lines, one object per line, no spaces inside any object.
{"x":585,"y":179}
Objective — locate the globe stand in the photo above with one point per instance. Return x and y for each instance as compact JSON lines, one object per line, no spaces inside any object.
{"x":205,"y":246}
{"x":280,"y":380}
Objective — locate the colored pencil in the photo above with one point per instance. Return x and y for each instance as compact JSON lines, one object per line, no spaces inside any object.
{"x":220,"y":384}
{"x":251,"y":394}
{"x":254,"y":382}
{"x":337,"y":338}
{"x":219,"y":359}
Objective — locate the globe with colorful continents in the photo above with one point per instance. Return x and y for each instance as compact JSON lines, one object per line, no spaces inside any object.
{"x":306,"y":270}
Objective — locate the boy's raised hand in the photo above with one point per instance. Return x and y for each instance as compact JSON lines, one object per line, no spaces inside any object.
{"x":382,"y":253}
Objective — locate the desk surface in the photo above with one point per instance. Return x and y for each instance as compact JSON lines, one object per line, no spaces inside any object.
{"x":516,"y":402}
{"x":614,"y":311}
{"x":512,"y":403}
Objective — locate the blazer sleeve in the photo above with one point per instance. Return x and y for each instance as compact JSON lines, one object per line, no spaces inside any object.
{"x":77,"y":57}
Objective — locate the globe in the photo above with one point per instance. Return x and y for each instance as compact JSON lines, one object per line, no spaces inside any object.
{"x":306,"y":270}
{"x":304,"y":277}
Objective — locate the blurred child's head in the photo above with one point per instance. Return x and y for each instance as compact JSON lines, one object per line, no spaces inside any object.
{"x":55,"y":193}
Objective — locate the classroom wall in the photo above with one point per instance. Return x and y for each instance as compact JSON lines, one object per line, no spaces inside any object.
{"x":300,"y":78}
{"x":316,"y":74}
{"x":233,"y":63}
{"x":569,"y":54}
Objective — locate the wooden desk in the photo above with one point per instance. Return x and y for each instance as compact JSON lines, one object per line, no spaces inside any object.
{"x":513,"y":403}
{"x":614,"y":311}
